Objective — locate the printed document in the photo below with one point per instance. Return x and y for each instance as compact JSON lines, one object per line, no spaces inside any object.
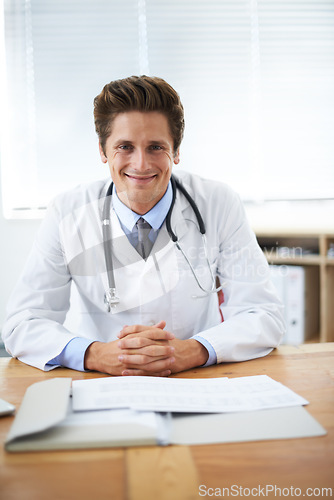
{"x":212,"y":395}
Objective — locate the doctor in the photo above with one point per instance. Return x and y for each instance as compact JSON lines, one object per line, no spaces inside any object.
{"x":147,"y":305}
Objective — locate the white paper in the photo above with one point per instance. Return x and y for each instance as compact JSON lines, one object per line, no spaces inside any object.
{"x":212,"y":395}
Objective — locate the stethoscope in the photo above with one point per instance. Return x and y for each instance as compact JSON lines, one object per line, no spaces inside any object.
{"x":110,"y":297}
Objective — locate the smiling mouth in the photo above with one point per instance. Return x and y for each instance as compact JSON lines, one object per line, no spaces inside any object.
{"x":141,"y":179}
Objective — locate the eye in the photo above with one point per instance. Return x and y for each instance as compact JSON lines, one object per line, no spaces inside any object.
{"x":125,"y":147}
{"x":156,"y":147}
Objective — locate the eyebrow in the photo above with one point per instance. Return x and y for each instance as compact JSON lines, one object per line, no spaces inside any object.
{"x":159,"y":143}
{"x":154,"y":142}
{"x":122,"y":141}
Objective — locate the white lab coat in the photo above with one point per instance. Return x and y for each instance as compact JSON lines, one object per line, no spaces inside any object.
{"x":69,"y":250}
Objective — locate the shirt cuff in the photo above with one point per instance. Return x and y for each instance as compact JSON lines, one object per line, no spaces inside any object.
{"x":212,"y":359}
{"x":73,"y":354}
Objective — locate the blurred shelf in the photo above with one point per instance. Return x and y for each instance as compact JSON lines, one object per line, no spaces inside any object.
{"x":306,"y":248}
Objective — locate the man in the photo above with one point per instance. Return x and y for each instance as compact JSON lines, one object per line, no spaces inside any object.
{"x":166,"y":318}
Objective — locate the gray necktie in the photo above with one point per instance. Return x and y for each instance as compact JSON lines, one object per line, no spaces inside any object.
{"x":144,"y":243}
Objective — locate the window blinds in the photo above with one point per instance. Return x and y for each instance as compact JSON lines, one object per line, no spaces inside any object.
{"x":256,"y":79}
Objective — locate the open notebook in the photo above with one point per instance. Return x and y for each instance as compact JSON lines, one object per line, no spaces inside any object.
{"x":46,"y":421}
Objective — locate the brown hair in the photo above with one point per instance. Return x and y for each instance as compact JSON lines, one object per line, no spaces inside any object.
{"x":138,"y":93}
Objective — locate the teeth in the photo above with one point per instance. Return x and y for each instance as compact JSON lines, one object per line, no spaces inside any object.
{"x":139,"y":177}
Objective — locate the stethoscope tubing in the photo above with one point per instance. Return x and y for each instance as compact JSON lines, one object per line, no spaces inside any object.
{"x":110,"y":296}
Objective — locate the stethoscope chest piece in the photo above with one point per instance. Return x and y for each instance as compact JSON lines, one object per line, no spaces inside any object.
{"x":110,"y":299}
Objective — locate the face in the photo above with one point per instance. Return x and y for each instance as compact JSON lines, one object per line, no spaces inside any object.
{"x":140,"y":155}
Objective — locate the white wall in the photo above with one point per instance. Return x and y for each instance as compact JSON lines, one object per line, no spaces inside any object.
{"x":17,"y":237}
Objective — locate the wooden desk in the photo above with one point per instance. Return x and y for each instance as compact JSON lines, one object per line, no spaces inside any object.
{"x":176,"y":472}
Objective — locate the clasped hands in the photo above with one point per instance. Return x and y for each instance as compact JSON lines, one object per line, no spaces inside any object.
{"x":145,"y":350}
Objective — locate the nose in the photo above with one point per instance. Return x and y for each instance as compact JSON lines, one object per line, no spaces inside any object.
{"x":139,"y":159}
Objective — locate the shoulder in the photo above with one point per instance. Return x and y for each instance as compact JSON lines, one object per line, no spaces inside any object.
{"x":205,"y":190}
{"x":219,"y":205}
{"x":69,"y":210}
{"x":80,"y":196}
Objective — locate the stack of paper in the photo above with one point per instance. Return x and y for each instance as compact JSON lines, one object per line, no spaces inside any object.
{"x":212,"y":395}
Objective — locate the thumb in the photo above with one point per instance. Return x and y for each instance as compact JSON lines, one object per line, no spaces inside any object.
{"x":161,"y":325}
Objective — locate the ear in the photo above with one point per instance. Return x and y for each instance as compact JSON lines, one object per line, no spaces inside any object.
{"x":177,"y":157}
{"x":104,"y":159}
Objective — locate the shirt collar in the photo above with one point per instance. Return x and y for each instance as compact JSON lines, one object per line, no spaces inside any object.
{"x":155,"y":217}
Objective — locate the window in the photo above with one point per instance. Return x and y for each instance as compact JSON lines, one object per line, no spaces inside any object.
{"x":256,"y":79}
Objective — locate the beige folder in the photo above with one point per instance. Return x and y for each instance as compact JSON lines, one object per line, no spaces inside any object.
{"x":39,"y":425}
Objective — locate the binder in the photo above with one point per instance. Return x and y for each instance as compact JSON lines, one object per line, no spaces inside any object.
{"x":298,"y":289}
{"x":295,"y":305}
{"x":39,"y":425}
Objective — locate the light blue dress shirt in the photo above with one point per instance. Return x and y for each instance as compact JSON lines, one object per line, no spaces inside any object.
{"x":73,"y":354}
